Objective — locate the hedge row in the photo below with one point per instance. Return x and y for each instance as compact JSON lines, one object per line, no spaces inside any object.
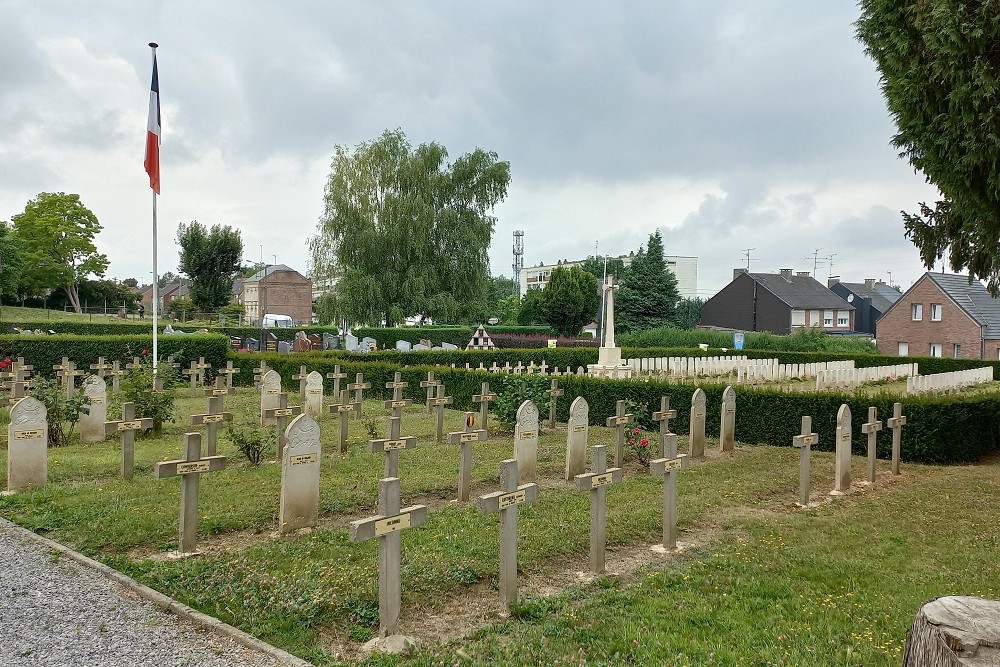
{"x":764,"y":416}
{"x":112,"y":328}
{"x":44,"y":352}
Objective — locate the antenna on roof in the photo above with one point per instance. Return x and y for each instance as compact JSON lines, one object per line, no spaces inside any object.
{"x":747,"y":251}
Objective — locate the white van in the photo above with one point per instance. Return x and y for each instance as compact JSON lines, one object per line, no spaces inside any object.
{"x":276,"y":321}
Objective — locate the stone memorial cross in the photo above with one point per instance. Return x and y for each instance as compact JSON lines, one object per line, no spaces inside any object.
{"x":229,"y":372}
{"x":358,"y":387}
{"x":67,"y":374}
{"x":219,"y":388}
{"x":871,"y":429}
{"x":391,"y":445}
{"x":127,"y":426}
{"x":439,"y":401}
{"x":663,"y":416}
{"x":464,"y":439}
{"x":212,"y":420}
{"x":804,"y":442}
{"x":280,"y":414}
{"x":189,"y":469}
{"x":667,"y":467}
{"x":116,"y":374}
{"x":336,"y":376}
{"x":484,"y":398}
{"x":397,"y":402}
{"x":896,"y":422}
{"x":429,"y":384}
{"x":553,"y":395}
{"x":619,"y":422}
{"x":101,"y":367}
{"x":301,"y":376}
{"x":344,"y":410}
{"x":595,"y":482}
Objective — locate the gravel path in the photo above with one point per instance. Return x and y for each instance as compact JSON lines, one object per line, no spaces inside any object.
{"x":54,"y":611}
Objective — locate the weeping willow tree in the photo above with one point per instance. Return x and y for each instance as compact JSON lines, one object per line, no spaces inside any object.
{"x":407,"y":233}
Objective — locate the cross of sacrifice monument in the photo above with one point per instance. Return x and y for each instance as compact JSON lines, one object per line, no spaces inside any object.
{"x":344,"y":410}
{"x":281,"y":414}
{"x":439,"y":401}
{"x":484,"y":398}
{"x":336,"y":376}
{"x":302,"y":376}
{"x":387,"y":526}
{"x":212,"y":420}
{"x":228,"y":372}
{"x":595,"y":481}
{"x":101,"y":367}
{"x":219,"y":388}
{"x":506,"y":502}
{"x":127,"y":426}
{"x":465,"y":438}
{"x":429,"y":384}
{"x":189,"y":469}
{"x":668,"y":466}
{"x":804,"y":442}
{"x":842,"y":460}
{"x":619,"y":422}
{"x":663,"y":416}
{"x":871,"y":429}
{"x":553,"y":394}
{"x":358,"y":387}
{"x":896,"y":422}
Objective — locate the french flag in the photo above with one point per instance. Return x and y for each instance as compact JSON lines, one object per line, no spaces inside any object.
{"x":152,"y":162}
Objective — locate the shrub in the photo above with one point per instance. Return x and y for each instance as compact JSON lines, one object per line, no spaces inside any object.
{"x":251,"y":439}
{"x":137,"y":387}
{"x":62,"y":413}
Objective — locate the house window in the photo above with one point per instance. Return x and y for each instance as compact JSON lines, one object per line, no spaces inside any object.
{"x":843,"y":320}
{"x":828,"y":318}
{"x":935,"y":312}
{"x":814,"y":318}
{"x":904,"y":349}
{"x":958,"y":350}
{"x":918,"y":311}
{"x":798,"y":318}
{"x":936,"y":349}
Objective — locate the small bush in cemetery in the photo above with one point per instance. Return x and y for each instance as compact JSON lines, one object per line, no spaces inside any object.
{"x":640,"y":445}
{"x":251,"y":439}
{"x":63,"y":413}
{"x":373,"y":426}
{"x":516,"y":389}
{"x":137,"y":387}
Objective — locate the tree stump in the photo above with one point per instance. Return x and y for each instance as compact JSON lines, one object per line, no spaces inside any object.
{"x":955,"y":631}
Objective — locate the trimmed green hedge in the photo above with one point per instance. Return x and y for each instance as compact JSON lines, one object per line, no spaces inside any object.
{"x":940,"y":429}
{"x":111,"y":328}
{"x":44,"y":352}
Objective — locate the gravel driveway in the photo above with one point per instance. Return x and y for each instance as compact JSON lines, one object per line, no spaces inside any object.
{"x":54,"y":611}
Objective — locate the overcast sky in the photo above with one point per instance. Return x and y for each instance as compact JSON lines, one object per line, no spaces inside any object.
{"x":729,"y":125}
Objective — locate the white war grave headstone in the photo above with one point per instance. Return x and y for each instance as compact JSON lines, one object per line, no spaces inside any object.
{"x":300,"y":464}
{"x":270,"y":389}
{"x":727,"y":426}
{"x":577,"y":432}
{"x":92,"y":417}
{"x":27,"y":445}
{"x":842,"y":462}
{"x":696,"y":434}
{"x":314,"y":395}
{"x":526,"y":442}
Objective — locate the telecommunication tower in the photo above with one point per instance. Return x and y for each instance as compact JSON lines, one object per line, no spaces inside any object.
{"x":518,"y":259}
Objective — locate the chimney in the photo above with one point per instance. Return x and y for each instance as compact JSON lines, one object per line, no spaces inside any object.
{"x":786,"y":274}
{"x":831,"y":281}
{"x":738,"y":272}
{"x":802,"y":274}
{"x":869,"y":282}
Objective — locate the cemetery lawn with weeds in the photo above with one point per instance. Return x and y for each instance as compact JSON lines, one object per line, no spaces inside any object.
{"x":761,"y":581}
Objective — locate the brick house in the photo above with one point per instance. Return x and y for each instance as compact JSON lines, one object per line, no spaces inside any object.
{"x":779,"y":303}
{"x":871,"y":299}
{"x":942,"y":314}
{"x":166,"y":294}
{"x":278,"y":290}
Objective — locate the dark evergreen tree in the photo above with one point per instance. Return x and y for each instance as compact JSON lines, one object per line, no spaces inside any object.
{"x":648,"y":294}
{"x":570,"y":300}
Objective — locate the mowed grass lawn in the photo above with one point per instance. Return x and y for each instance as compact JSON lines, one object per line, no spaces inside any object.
{"x":761,"y":582}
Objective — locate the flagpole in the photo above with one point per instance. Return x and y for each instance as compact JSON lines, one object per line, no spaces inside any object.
{"x":156,"y":275}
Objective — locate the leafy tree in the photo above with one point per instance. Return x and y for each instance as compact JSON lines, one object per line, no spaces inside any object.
{"x":507,"y":309}
{"x":531,"y":308}
{"x":595,"y":267}
{"x":570,"y":300}
{"x":688,"y":314}
{"x":938,"y":61}
{"x":56,"y":233}
{"x":11,"y":262}
{"x":211,"y":258}
{"x":407,"y":231}
{"x":181,"y":308}
{"x":648,"y":294}
{"x":500,"y":287}
{"x":96,"y":293}
{"x":168,"y":278}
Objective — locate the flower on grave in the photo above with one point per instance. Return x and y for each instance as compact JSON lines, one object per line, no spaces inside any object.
{"x":5,"y":364}
{"x":144,"y":352}
{"x":644,"y":442}
{"x":636,"y":431}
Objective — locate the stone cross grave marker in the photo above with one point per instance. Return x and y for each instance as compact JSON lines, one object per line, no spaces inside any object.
{"x":668,"y":466}
{"x":18,"y":390}
{"x":896,"y":422}
{"x":27,"y":445}
{"x":397,"y":402}
{"x":344,"y":410}
{"x":270,"y":387}
{"x":260,"y":372}
{"x":727,"y":426}
{"x":595,"y":482}
{"x":127,"y":426}
{"x":101,"y":367}
{"x":67,"y":374}
{"x":553,"y":395}
{"x":577,"y":432}
{"x":842,"y":466}
{"x":465,"y":438}
{"x":804,"y":442}
{"x":336,"y":376}
{"x":135,"y":363}
{"x":391,"y":444}
{"x":506,"y":502}
{"x":358,"y":387}
{"x":429,"y":384}
{"x":116,"y":374}
{"x":299,"y":507}
{"x":280,"y":414}
{"x":619,"y":422}
{"x":219,"y":388}
{"x":314,"y":395}
{"x":439,"y":401}
{"x":92,"y":420}
{"x":871,"y":429}
{"x":526,"y":441}
{"x":212,"y":420}
{"x":228,"y":372}
{"x":387,"y":526}
{"x":484,"y":398}
{"x":194,"y":375}
{"x":663,"y":416}
{"x":302,"y":376}
{"x":189,"y":469}
{"x":696,"y":439}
